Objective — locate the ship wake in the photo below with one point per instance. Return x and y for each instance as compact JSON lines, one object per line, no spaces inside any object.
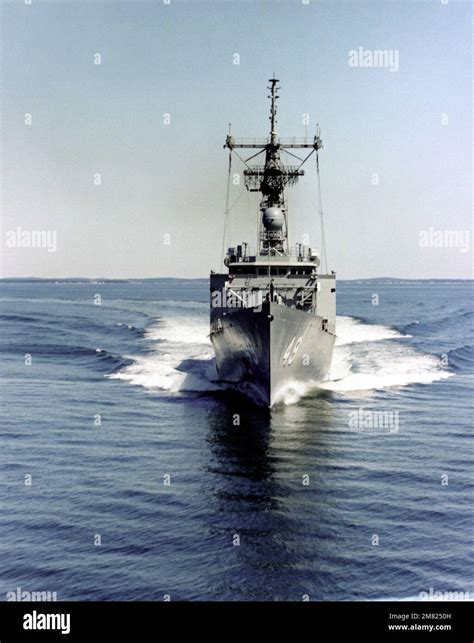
{"x":370,"y":357}
{"x":367,"y":357}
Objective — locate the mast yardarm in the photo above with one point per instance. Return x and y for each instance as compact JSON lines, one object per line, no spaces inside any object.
{"x":272,"y":178}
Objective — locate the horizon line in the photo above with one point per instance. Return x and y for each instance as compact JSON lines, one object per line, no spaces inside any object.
{"x":111,"y":279}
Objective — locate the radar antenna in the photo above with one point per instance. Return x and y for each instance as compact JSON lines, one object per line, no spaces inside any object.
{"x":272,"y":178}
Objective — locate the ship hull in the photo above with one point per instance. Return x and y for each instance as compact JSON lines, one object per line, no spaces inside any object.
{"x":262,"y":352}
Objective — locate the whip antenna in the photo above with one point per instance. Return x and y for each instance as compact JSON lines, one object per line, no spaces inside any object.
{"x":226,"y":211}
{"x":321,"y":213}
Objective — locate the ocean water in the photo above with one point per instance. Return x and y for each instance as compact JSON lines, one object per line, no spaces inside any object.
{"x":128,"y":474}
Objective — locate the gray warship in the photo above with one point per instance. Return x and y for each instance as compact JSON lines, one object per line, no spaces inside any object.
{"x":272,"y":313}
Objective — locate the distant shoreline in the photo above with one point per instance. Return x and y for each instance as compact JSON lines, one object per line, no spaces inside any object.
{"x":96,"y":280}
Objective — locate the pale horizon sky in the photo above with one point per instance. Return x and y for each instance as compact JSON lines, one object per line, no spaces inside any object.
{"x":410,"y":128}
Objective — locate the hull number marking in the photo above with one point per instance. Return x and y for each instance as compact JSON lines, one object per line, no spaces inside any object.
{"x":291,"y":351}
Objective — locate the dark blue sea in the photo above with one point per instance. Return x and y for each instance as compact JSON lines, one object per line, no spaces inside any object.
{"x":128,"y":474}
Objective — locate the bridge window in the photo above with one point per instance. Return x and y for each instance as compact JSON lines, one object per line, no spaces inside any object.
{"x":243,"y":270}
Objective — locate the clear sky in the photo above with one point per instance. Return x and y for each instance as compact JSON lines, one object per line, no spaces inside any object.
{"x":409,"y":129}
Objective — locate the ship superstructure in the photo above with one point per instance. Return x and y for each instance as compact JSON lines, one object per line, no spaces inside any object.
{"x":273,"y":314}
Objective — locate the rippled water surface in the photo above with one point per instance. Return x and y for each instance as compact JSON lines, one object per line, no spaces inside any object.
{"x":121,"y":395}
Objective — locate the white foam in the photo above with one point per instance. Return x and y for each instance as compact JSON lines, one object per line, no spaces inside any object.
{"x":155,"y":372}
{"x":181,"y":331}
{"x":353,"y":331}
{"x":177,"y":339}
{"x":387,"y":367}
{"x":365,"y":359}
{"x":358,"y":365}
{"x":341,"y":363}
{"x":291,"y":392}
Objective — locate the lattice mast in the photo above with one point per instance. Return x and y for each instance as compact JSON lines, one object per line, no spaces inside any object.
{"x":272,"y":178}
